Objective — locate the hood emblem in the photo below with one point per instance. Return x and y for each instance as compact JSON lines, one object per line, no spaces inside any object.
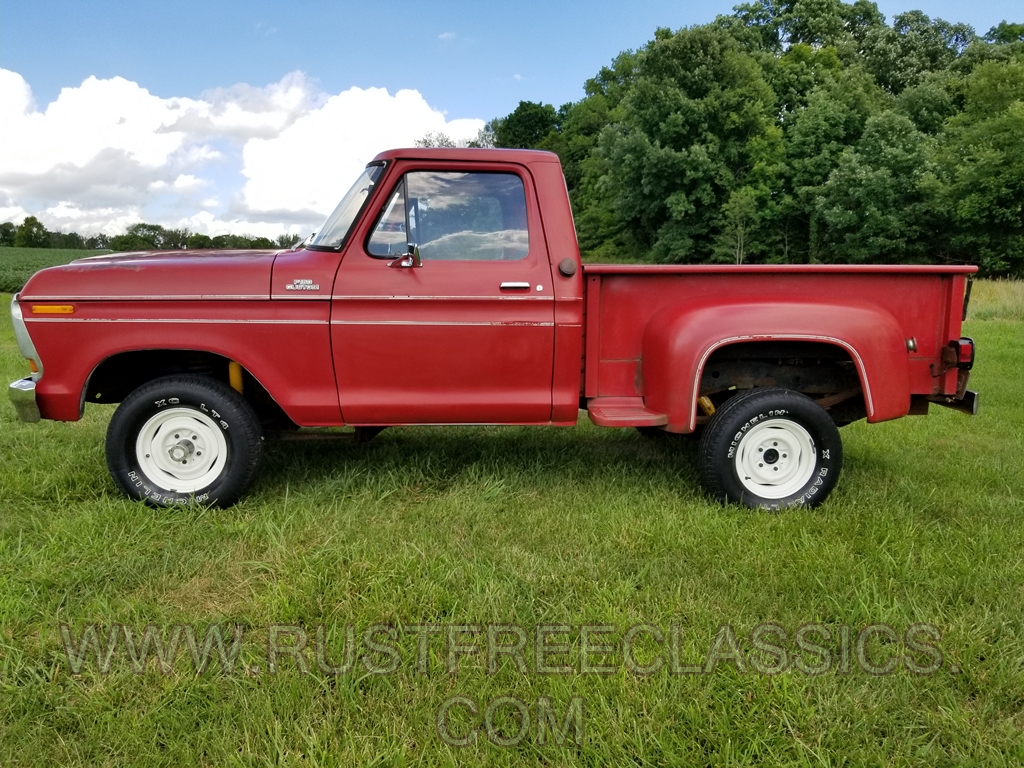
{"x":302,"y":285}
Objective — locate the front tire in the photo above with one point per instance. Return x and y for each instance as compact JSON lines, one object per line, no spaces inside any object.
{"x":184,"y":438}
{"x":771,"y":449}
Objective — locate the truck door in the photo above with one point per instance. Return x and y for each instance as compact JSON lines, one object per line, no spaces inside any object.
{"x":443,"y":310}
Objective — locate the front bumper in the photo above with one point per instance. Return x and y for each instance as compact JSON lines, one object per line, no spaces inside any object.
{"x":23,"y":395}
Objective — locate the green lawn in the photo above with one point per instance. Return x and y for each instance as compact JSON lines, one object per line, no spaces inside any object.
{"x":530,"y":528}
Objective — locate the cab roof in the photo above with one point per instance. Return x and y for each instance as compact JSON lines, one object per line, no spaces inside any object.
{"x":521,"y":156}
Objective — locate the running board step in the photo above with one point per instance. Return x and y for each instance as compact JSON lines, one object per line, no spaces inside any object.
{"x":624,"y":412}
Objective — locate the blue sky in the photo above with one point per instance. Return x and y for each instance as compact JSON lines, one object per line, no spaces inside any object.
{"x":467,"y":61}
{"x":471,"y":59}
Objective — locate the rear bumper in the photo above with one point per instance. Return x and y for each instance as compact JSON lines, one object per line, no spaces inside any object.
{"x":967,"y":404}
{"x":23,"y":395}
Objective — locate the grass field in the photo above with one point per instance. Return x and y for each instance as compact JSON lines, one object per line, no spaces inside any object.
{"x":17,"y":265}
{"x":531,"y":528}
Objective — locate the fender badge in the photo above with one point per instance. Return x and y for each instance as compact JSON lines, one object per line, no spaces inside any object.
{"x":302,"y":285}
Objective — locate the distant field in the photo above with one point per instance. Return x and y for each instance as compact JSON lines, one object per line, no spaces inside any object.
{"x":530,"y":528}
{"x":997,"y":300}
{"x":17,"y":265}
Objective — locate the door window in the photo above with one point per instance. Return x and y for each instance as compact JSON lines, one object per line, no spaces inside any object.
{"x":468,"y":216}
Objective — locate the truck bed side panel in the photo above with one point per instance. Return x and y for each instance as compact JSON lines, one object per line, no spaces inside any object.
{"x":649,"y":329}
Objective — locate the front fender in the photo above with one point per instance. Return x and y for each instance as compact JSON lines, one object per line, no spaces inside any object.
{"x":679,"y":340}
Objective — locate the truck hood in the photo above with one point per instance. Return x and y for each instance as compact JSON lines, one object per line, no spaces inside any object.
{"x":165,"y":275}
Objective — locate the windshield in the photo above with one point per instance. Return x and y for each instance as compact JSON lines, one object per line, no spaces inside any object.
{"x":333,"y":233}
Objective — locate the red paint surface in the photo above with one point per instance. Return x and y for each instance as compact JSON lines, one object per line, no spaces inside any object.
{"x":342,"y":338}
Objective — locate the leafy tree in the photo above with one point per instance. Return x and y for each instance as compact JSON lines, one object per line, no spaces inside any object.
{"x":981,"y":170}
{"x":31,"y":234}
{"x":151,"y":233}
{"x":930,"y":103}
{"x":817,"y":23}
{"x":174,"y":239}
{"x":1004,"y":32}
{"x":684,"y":140}
{"x":435,"y":139}
{"x":197,"y":241}
{"x":862,"y":21}
{"x":901,"y":56}
{"x":739,"y":215}
{"x":484,"y":138}
{"x":7,"y":231}
{"x":67,"y":240}
{"x":131,"y":242}
{"x":287,"y":241}
{"x":797,"y":72}
{"x":232,"y":241}
{"x":875,"y":206}
{"x":140,"y":237}
{"x":528,"y":124}
{"x":815,"y":138}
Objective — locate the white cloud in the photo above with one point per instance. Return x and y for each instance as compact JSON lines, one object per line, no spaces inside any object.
{"x":108,"y":153}
{"x":99,"y":114}
{"x":13,"y":213}
{"x":446,"y":36}
{"x":243,"y":111}
{"x":311,"y":163}
{"x":187,"y":182}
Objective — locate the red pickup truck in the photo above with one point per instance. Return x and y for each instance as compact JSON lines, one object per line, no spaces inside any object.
{"x":447,"y":288}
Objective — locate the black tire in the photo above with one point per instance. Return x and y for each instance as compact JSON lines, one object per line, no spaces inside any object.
{"x":771,"y":449}
{"x":197,"y":421}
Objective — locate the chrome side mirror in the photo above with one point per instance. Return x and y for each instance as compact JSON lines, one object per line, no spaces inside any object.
{"x":409,"y":260}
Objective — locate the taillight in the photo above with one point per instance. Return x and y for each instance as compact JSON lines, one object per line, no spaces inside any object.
{"x":964,"y":349}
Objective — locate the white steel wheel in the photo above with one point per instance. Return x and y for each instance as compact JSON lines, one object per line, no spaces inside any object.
{"x":771,"y":448}
{"x":775,"y":459}
{"x":181,"y":450}
{"x":184,"y":439}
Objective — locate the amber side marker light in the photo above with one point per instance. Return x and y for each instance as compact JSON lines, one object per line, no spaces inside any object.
{"x":52,"y":309}
{"x":32,"y":365}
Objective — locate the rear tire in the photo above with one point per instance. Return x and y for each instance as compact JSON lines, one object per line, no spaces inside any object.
{"x":184,"y":438}
{"x":771,"y":449}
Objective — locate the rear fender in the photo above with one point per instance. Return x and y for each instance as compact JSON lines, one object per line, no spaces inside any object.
{"x":679,"y":340}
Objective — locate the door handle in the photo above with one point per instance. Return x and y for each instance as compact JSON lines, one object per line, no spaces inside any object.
{"x":515,"y":286}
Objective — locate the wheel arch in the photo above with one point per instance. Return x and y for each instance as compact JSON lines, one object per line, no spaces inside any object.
{"x":116,"y":376}
{"x":679,"y":342}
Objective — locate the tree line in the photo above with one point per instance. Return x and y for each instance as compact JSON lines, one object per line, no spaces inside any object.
{"x":806,"y":131}
{"x":139,"y":237}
